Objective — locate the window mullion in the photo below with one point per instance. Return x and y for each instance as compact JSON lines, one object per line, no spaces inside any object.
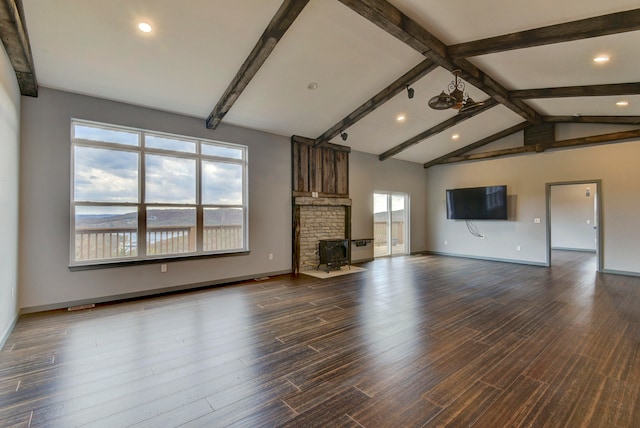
{"x":142,"y":206}
{"x":142,"y":230}
{"x":199,"y":209}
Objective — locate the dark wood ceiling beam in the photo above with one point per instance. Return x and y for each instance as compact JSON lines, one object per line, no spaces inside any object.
{"x":612,"y":120}
{"x":577,"y":91}
{"x":613,"y":23}
{"x":612,"y":137}
{"x":399,"y":25}
{"x":15,"y":38}
{"x":458,"y":118}
{"x":480,"y":143}
{"x":280,"y":23}
{"x":495,"y":154}
{"x":486,"y":83}
{"x":412,"y":76}
{"x":615,"y":137}
{"x":393,"y":21}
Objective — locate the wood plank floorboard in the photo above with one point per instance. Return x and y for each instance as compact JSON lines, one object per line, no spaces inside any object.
{"x":412,"y":341}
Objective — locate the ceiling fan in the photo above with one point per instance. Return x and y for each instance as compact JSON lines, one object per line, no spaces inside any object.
{"x":456,"y":99}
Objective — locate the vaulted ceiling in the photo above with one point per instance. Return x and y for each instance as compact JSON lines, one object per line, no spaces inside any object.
{"x":253,"y":63}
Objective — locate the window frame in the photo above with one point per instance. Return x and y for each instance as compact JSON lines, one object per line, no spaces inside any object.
{"x":143,"y":206}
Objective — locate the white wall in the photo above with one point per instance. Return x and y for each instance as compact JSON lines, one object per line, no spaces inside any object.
{"x":9,"y":179}
{"x":46,"y":281}
{"x":367,"y":175}
{"x":573,"y":217}
{"x":526,"y":177}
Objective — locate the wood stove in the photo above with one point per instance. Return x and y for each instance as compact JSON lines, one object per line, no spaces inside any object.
{"x":334,"y":253}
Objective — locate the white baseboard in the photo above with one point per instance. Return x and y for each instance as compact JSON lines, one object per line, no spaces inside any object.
{"x":581,"y":250}
{"x":146,"y":293}
{"x":7,"y":332}
{"x":489,"y":259}
{"x":620,"y":272}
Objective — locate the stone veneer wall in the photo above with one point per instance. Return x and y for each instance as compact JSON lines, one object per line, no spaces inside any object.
{"x":316,"y":223}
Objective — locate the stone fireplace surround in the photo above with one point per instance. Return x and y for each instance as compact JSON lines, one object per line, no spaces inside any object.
{"x":319,"y":218}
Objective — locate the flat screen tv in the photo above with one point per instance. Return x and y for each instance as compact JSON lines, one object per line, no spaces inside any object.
{"x":477,"y":203}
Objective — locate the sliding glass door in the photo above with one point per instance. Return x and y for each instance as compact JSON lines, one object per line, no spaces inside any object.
{"x":390,"y":224}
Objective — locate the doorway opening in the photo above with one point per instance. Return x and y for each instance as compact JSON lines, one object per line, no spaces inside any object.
{"x":390,"y":224}
{"x":574,"y":223}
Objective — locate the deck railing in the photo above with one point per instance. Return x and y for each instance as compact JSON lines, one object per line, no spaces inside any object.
{"x":380,"y":232}
{"x":105,"y":243}
{"x":171,"y":240}
{"x":222,"y":237}
{"x":111,"y":243}
{"x":380,"y":239}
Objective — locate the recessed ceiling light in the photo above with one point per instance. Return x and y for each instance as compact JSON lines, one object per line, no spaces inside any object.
{"x":401,"y":118}
{"x":455,"y":136}
{"x":145,"y":27}
{"x":622,"y":103}
{"x":311,"y":86}
{"x":601,"y":59}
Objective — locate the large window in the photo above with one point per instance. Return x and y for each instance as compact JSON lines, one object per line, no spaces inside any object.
{"x":139,"y":194}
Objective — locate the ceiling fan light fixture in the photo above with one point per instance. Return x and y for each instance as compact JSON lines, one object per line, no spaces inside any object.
{"x":442,"y":101}
{"x":460,"y":99}
{"x":456,"y":98}
{"x":468,"y":105}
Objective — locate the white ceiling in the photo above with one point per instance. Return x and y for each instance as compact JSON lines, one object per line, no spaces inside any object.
{"x":197,"y":46}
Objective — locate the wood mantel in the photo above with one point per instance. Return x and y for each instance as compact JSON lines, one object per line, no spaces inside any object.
{"x":331,"y":202}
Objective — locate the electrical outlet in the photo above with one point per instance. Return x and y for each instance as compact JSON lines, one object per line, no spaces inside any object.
{"x":446,"y":242}
{"x":163,"y":268}
{"x":270,"y":256}
{"x":536,"y":220}
{"x":13,"y":292}
{"x":517,"y":247}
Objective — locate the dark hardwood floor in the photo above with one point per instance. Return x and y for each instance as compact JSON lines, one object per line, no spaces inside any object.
{"x":410,"y":342}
